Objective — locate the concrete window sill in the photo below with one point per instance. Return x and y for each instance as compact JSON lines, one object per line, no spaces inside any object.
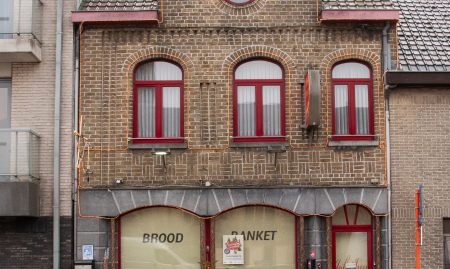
{"x":257,"y":144}
{"x":158,"y":145}
{"x":366,"y":143}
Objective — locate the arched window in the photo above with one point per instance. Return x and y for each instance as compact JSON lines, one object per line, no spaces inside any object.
{"x":352,"y":237}
{"x":239,"y":2}
{"x":352,"y":101}
{"x":158,"y":103}
{"x":159,"y":237}
{"x":258,"y":102}
{"x":268,"y":234}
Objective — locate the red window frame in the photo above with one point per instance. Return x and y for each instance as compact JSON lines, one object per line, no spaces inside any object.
{"x":258,"y":83}
{"x":158,"y":85}
{"x":239,"y":4}
{"x":351,"y":82}
{"x":353,"y":228}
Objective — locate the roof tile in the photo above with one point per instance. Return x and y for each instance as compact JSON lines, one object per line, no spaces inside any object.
{"x":424,"y":23}
{"x":105,"y":5}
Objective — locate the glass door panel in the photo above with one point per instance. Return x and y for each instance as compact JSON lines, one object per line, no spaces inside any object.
{"x":351,"y":247}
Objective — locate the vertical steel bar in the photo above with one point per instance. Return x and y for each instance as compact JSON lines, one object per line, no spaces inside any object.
{"x":417,"y":230}
{"x":30,"y":151}
{"x":17,"y":151}
{"x":18,"y":19}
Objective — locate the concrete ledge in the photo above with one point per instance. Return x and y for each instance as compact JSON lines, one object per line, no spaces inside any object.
{"x":213,"y":201}
{"x":148,"y":16}
{"x":158,"y":145}
{"x":358,"y":15}
{"x":20,"y":51}
{"x":362,"y":143}
{"x":19,"y":199}
{"x":257,"y":144}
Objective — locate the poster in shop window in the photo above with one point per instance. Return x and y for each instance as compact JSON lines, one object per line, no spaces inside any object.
{"x":233,"y":249}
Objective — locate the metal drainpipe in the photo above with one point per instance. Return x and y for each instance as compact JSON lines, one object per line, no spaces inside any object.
{"x":386,"y":60}
{"x":75,"y":189}
{"x":57,"y":133}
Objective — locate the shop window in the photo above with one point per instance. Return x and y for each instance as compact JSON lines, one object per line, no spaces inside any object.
{"x":352,"y":238}
{"x":258,"y":102}
{"x":158,"y":103}
{"x":352,"y":102}
{"x":269,"y":235}
{"x":159,"y":237}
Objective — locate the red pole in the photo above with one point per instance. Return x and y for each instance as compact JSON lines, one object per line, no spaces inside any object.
{"x":417,"y":230}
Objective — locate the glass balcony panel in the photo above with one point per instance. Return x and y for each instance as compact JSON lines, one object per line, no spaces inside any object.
{"x":21,"y":18}
{"x":19,"y":157}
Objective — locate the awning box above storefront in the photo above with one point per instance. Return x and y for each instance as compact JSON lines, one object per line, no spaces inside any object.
{"x":212,"y":201}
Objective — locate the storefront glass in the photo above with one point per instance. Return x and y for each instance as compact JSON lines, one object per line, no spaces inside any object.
{"x":351,"y":247}
{"x":159,"y":238}
{"x":269,"y":237}
{"x":352,"y":238}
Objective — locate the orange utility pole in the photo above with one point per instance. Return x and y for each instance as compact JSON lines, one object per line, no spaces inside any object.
{"x":417,"y":230}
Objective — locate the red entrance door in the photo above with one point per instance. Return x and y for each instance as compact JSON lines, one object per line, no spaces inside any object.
{"x":352,"y":238}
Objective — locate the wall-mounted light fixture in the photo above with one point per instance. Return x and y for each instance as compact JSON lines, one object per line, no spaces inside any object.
{"x":160,"y":151}
{"x":276,"y":149}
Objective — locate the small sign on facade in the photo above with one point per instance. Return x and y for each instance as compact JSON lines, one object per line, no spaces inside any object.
{"x":233,"y":251}
{"x":88,"y":252}
{"x":313,"y":254}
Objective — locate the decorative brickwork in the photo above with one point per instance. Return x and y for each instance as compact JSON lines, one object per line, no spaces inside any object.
{"x":239,"y":10}
{"x":107,"y":115}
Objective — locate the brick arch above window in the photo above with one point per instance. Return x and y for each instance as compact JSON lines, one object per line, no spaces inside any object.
{"x":239,"y":7}
{"x":157,"y":52}
{"x":247,"y":53}
{"x":334,"y":57}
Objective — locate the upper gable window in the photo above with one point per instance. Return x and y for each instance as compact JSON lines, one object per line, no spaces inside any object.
{"x":239,"y":2}
{"x":352,"y":102}
{"x":158,"y":103}
{"x":258,"y":102}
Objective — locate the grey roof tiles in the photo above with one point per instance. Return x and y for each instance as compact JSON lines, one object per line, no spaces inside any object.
{"x":423,"y":35}
{"x":118,"y":5}
{"x":356,"y":4}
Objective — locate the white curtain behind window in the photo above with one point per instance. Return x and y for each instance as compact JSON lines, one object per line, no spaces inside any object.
{"x":341,"y":109}
{"x":146,"y":112}
{"x":158,"y":71}
{"x":246,"y":111}
{"x":258,"y":70}
{"x":351,"y":70}
{"x":271,"y":110}
{"x":362,"y":109}
{"x":171,"y":111}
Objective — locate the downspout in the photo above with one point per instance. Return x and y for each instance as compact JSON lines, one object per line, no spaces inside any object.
{"x":76,"y":85}
{"x":386,"y":60}
{"x":57,"y":134}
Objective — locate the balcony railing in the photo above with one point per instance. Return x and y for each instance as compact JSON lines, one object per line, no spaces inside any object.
{"x":19,"y":155}
{"x":21,"y":18}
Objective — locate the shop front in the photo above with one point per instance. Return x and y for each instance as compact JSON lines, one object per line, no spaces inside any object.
{"x":247,"y":228}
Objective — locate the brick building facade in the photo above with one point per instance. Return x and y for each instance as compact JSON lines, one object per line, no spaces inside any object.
{"x":419,"y":105}
{"x":318,"y":174}
{"x":28,"y":42}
